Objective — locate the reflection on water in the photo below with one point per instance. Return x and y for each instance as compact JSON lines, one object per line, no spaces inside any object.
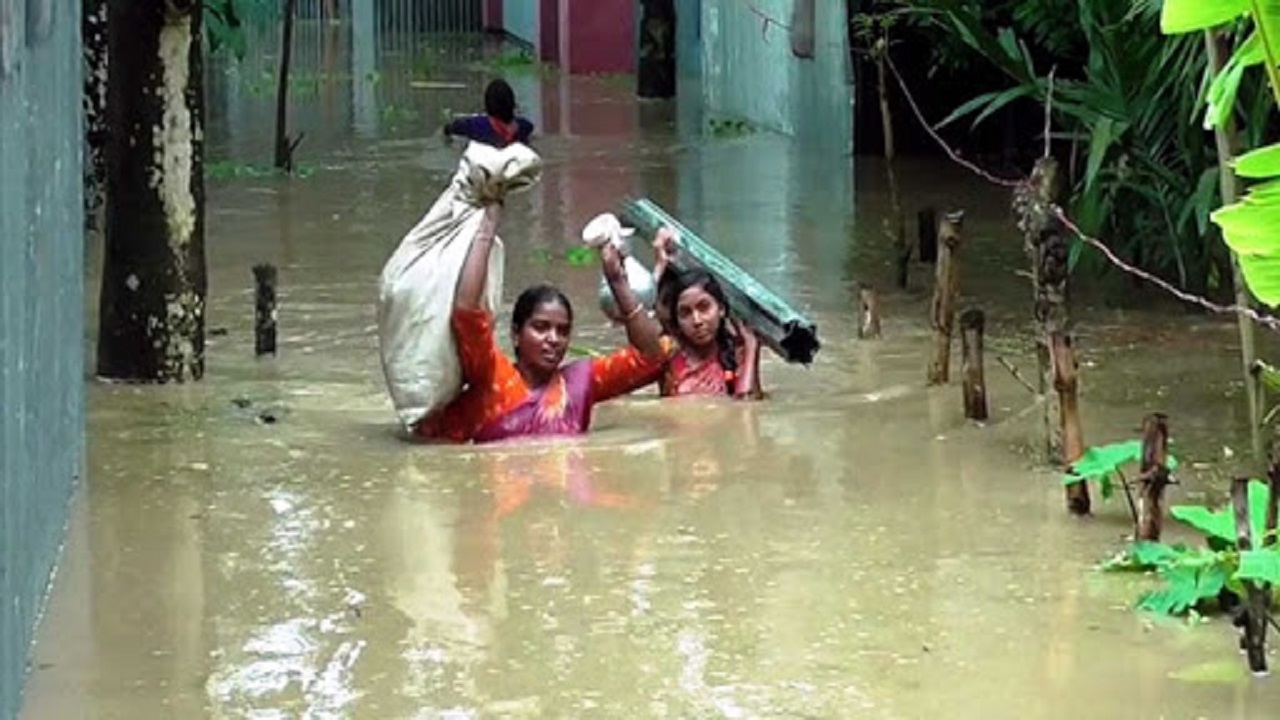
{"x":261,"y":545}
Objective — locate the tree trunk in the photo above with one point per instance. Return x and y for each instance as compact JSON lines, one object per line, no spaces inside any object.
{"x":945,"y":291}
{"x":153,"y":282}
{"x":1218,"y":45}
{"x":656,"y":70}
{"x":284,"y":145}
{"x":93,"y":26}
{"x":972,"y":325}
{"x":1154,"y":476}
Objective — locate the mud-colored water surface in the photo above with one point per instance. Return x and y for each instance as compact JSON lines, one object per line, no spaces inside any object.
{"x":263,"y":545}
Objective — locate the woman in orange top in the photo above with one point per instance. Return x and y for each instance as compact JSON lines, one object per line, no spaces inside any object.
{"x":717,"y":354}
{"x":535,"y":395}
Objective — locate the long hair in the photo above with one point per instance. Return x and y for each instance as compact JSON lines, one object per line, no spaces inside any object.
{"x":500,"y":100}
{"x":726,"y":348}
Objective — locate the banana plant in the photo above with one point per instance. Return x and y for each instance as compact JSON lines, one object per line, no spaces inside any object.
{"x":1251,"y":226}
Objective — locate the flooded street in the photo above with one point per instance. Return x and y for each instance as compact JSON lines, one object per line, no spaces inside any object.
{"x":262,"y":544}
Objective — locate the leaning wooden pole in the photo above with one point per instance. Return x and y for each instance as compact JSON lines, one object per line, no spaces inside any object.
{"x":1154,"y":476}
{"x":945,"y":293}
{"x":895,"y":224}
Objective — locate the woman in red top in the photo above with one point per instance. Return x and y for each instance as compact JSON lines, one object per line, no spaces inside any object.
{"x":535,"y":395}
{"x":717,"y":355}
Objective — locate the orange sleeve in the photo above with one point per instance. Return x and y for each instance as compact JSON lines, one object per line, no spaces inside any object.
{"x":627,"y":370}
{"x":478,"y":352}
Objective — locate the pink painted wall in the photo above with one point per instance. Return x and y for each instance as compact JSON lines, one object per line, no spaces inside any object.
{"x":597,"y":36}
{"x":549,"y":31}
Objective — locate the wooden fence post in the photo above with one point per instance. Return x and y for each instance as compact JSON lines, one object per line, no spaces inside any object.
{"x":264,"y":309}
{"x":945,"y":291}
{"x":1154,"y":476}
{"x":972,"y":325}
{"x":868,"y":313}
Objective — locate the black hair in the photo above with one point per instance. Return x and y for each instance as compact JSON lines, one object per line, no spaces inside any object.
{"x":691,"y":278}
{"x":533,"y":298}
{"x":500,"y":100}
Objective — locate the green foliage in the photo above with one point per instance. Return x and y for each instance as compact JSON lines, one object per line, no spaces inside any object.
{"x":729,"y":127}
{"x":576,"y":256}
{"x":1105,"y":463}
{"x":1250,"y":225}
{"x":1193,"y":577}
{"x":229,"y":170}
{"x":225,"y":23}
{"x":1122,"y":95}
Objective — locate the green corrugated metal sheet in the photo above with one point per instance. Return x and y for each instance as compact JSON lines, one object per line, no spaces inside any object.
{"x":41,"y":312}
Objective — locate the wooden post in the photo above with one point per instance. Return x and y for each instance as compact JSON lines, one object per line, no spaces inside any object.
{"x":972,"y":323}
{"x":1046,"y":248}
{"x":927,"y":231}
{"x":1252,"y":617}
{"x":1154,"y":477}
{"x":869,"y":313}
{"x":1066,"y":384}
{"x":945,"y":291}
{"x":264,"y":314}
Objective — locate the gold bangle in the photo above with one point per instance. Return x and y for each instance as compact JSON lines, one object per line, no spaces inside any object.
{"x":634,"y":312}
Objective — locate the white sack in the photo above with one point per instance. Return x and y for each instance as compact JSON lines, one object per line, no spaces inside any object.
{"x":415,"y":299}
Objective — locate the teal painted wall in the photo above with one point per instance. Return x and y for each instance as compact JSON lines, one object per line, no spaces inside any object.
{"x":749,"y":72}
{"x":520,"y":18}
{"x":41,"y":312}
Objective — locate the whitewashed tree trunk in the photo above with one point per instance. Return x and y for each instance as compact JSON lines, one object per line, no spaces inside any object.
{"x":152,"y":307}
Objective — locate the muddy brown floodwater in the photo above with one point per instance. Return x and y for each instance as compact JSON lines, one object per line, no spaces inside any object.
{"x":262,"y":545}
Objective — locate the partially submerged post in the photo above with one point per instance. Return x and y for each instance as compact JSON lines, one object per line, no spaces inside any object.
{"x":1253,"y":614}
{"x":1066,"y":383}
{"x":1046,"y":248}
{"x":927,"y":232}
{"x":945,"y":291}
{"x":868,"y":313}
{"x":1154,"y":476}
{"x":972,"y":325}
{"x":264,"y":309}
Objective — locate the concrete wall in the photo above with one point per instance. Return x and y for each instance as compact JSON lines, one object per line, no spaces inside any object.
{"x":41,"y":311}
{"x":749,"y":72}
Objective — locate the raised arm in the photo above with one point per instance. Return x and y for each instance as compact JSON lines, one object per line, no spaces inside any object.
{"x":469,"y":294}
{"x":643,"y":332}
{"x":747,"y":382}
